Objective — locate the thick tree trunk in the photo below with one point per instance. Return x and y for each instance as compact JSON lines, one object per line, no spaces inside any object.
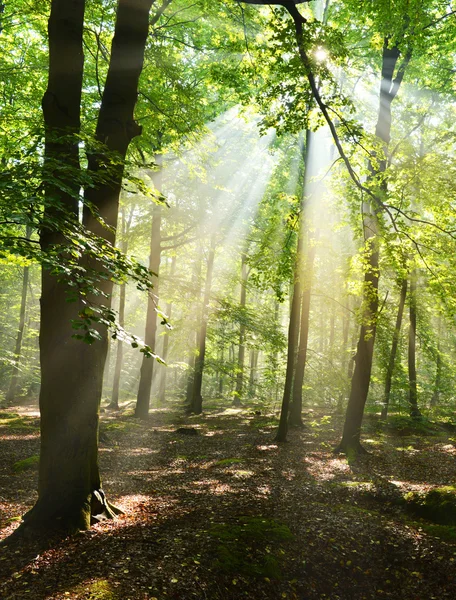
{"x":241,"y":355}
{"x":196,"y":406}
{"x":389,"y":86}
{"x":69,"y":488}
{"x":11,"y":393}
{"x":394,"y":345}
{"x":413,"y":393}
{"x":147,"y":365}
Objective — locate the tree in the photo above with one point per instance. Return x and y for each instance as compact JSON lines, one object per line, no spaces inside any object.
{"x":126,"y":225}
{"x":394,"y":345}
{"x":69,"y":489}
{"x":196,"y":398}
{"x":11,"y":393}
{"x":147,"y":365}
{"x":242,"y":330}
{"x":413,"y":393}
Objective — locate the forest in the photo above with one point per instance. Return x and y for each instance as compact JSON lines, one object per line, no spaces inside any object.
{"x":228,"y":266}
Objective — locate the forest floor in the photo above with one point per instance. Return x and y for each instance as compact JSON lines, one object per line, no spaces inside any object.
{"x":227,"y":513}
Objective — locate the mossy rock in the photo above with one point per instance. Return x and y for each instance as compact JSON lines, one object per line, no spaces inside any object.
{"x":444,"y":532}
{"x":437,"y":505}
{"x":27,"y":464}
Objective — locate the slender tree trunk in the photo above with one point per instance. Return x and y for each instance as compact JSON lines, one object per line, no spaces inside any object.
{"x":147,"y":365}
{"x":241,"y":356}
{"x":69,"y":487}
{"x":222,"y":358}
{"x":164,"y":369}
{"x":394,"y":345}
{"x":413,"y":393}
{"x":253,"y":371}
{"x":196,"y":405}
{"x":11,"y":393}
{"x":194,"y":345}
{"x":295,"y":417}
{"x":114,"y":405}
{"x":389,"y":86}
{"x":293,"y":329}
{"x":438,"y":362}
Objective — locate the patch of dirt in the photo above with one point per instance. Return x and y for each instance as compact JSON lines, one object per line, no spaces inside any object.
{"x":195,"y":504}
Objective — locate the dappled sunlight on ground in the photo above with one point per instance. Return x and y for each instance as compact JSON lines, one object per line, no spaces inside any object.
{"x":326,"y":467}
{"x":188,"y":500}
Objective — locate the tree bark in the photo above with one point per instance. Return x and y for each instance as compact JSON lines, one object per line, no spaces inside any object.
{"x":69,"y":488}
{"x":254,"y":355}
{"x":295,"y":417}
{"x":293,"y":329}
{"x":196,"y":406}
{"x":413,"y":393}
{"x":394,"y":345}
{"x":11,"y":393}
{"x":241,"y":355}
{"x":389,"y":86}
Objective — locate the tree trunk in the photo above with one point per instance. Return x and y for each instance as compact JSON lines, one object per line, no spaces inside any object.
{"x":147,"y":365}
{"x":438,"y":371}
{"x":389,"y":86}
{"x":241,"y":356}
{"x":293,"y":329}
{"x":295,"y":417}
{"x":11,"y":393}
{"x":196,"y":406}
{"x":254,"y":354}
{"x":394,"y":345}
{"x":413,"y":393}
{"x":114,"y":405}
{"x":194,"y":344}
{"x":164,"y":369}
{"x":69,"y":487}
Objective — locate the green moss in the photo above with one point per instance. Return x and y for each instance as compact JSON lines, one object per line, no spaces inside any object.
{"x":444,"y":532}
{"x":437,"y":505}
{"x":251,"y":546}
{"x":120,"y":426}
{"x":27,"y":464}
{"x":226,"y":462}
{"x":96,"y":590}
{"x":259,"y":423}
{"x":15,"y":422}
{"x":8,"y":415}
